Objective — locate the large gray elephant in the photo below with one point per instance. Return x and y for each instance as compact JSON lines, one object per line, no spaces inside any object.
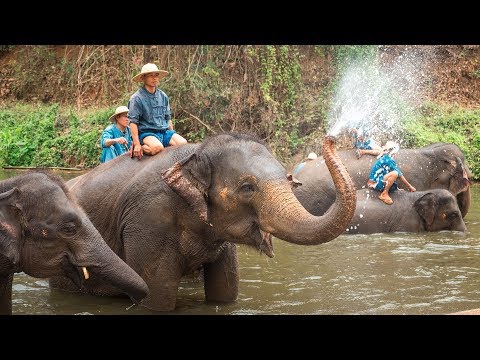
{"x":43,"y":232}
{"x":430,"y":210}
{"x":437,"y":166}
{"x":185,"y":208}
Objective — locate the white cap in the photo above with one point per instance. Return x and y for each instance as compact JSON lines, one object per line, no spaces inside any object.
{"x":391,"y":147}
{"x":120,"y":110}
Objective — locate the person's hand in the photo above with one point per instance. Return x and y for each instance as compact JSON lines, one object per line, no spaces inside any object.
{"x":412,"y":189}
{"x":121,"y":141}
{"x":137,"y":151}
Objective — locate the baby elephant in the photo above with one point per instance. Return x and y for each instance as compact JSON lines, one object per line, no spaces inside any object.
{"x":44,"y":232}
{"x":430,"y":210}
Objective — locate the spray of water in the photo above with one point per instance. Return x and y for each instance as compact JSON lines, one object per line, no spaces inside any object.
{"x":376,"y":96}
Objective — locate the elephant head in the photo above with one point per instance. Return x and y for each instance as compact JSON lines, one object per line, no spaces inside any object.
{"x":43,"y":232}
{"x":239,"y":189}
{"x":439,"y":211}
{"x":456,"y":179}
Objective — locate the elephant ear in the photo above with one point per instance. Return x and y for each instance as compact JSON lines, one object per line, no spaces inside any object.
{"x":426,"y":207}
{"x":459,"y":182}
{"x":190,"y":178}
{"x":10,"y":225}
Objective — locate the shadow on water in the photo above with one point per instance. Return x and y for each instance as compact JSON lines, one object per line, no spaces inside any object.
{"x":429,"y":273}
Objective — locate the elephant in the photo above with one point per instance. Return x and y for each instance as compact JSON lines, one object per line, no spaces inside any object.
{"x":185,"y":209}
{"x":44,"y":232}
{"x":420,"y":211}
{"x":437,"y":166}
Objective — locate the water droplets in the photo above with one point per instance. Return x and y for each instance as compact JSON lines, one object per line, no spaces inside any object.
{"x":376,"y":95}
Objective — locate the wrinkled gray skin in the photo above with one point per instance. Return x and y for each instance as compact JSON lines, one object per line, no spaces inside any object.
{"x":43,"y":232}
{"x":437,"y":166}
{"x":420,"y":211}
{"x":170,"y":214}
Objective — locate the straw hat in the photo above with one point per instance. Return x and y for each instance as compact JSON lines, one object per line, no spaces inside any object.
{"x":120,"y":110}
{"x":147,"y":69}
{"x":312,"y":156}
{"x":391,"y":147}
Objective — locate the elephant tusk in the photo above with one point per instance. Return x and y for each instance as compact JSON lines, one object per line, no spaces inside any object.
{"x":85,"y":272}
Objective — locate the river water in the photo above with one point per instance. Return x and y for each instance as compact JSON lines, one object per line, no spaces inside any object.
{"x":429,"y":273}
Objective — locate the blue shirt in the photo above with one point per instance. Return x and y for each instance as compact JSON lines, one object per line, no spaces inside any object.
{"x":112,"y":151}
{"x":151,"y":112}
{"x":382,"y":167}
{"x":297,"y":168}
{"x":365,"y":144}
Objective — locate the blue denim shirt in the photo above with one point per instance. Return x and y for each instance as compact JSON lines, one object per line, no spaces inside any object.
{"x":149,"y":111}
{"x":382,"y":167}
{"x":112,"y":151}
{"x":366,"y":144}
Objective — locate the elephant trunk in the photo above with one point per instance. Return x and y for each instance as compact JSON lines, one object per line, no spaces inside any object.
{"x":284,"y":217}
{"x":460,"y":186}
{"x":97,"y":259}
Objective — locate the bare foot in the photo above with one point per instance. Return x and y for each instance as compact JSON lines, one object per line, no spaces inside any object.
{"x":386,"y":199}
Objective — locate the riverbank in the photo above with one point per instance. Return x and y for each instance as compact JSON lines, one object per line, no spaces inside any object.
{"x":56,"y":100}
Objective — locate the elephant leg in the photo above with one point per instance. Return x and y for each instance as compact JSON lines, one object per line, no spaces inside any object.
{"x":6,"y":294}
{"x":163,"y":285}
{"x":221,"y":276}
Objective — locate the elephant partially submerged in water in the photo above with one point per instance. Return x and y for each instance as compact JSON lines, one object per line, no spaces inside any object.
{"x":43,"y":232}
{"x":437,"y":166}
{"x":420,"y":211}
{"x":170,"y":214}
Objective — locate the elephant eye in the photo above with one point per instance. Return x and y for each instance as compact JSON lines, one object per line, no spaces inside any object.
{"x":452,"y":216}
{"x":247,"y":188}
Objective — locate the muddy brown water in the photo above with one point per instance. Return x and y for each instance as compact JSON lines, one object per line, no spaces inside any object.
{"x":429,"y":273}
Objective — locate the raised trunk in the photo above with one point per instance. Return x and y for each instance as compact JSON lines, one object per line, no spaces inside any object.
{"x":464,"y":200}
{"x":284,"y":217}
{"x":460,"y":187}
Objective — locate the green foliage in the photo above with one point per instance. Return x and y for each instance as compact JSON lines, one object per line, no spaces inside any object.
{"x":43,"y":136}
{"x":6,"y":48}
{"x":448,"y":124}
{"x":280,"y":82}
{"x":346,"y":54}
{"x":280,"y":68}
{"x":476,"y":73}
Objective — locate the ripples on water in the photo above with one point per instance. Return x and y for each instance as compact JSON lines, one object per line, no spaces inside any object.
{"x":428,"y":273}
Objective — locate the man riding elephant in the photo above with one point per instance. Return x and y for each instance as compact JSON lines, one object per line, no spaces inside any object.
{"x":184,"y":209}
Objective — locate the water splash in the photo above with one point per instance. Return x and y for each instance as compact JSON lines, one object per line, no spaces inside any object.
{"x":376,"y":95}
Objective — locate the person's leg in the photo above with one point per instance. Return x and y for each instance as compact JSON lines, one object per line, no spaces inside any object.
{"x":171,"y":138}
{"x":152,"y":145}
{"x":177,"y":139}
{"x":370,"y":152}
{"x":388,"y":179}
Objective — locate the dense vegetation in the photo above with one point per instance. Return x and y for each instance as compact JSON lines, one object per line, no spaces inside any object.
{"x":57,"y":100}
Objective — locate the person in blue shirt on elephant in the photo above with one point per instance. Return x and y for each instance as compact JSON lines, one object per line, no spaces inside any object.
{"x":116,"y":139}
{"x":149,"y":114}
{"x":311,"y":156}
{"x":385,"y":172}
{"x":364,"y":144}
